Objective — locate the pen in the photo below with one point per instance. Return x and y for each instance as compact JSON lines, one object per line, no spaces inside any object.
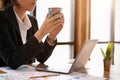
{"x":45,"y":76}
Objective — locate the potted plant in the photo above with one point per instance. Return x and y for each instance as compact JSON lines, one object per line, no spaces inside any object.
{"x":107,"y":56}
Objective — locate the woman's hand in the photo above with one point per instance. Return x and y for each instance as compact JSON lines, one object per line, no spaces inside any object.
{"x":56,"y":30}
{"x":51,"y":25}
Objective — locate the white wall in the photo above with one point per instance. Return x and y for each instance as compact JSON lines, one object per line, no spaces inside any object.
{"x":117,"y":20}
{"x":101,"y":19}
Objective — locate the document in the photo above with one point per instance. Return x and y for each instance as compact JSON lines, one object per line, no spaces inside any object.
{"x":27,"y":71}
{"x":73,"y":76}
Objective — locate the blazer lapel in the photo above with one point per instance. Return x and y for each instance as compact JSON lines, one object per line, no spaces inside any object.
{"x":13,"y":19}
{"x":14,"y":22}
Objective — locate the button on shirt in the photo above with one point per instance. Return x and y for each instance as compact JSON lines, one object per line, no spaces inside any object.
{"x":23,"y":26}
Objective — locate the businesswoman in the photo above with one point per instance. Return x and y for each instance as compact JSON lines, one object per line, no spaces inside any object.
{"x":20,"y":38}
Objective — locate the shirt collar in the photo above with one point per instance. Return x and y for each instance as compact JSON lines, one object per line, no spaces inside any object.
{"x":26,"y":21}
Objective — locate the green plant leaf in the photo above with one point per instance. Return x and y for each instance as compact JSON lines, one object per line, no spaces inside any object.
{"x":108,"y":50}
{"x":103,"y":53}
{"x":107,"y":55}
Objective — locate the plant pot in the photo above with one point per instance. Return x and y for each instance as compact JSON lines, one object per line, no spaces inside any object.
{"x":107,"y":65}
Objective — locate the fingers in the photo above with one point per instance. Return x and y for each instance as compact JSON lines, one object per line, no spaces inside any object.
{"x":59,"y":21}
{"x":58,"y":16}
{"x":47,"y":17}
{"x":53,"y":22}
{"x":54,"y":17}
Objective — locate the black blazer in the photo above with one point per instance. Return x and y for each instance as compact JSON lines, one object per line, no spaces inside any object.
{"x":12,"y":51}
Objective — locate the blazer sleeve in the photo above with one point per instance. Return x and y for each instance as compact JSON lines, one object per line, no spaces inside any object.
{"x":46,"y":53}
{"x":47,"y":49}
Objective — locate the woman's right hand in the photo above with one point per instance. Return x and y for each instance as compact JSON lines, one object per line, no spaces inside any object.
{"x":48,"y":25}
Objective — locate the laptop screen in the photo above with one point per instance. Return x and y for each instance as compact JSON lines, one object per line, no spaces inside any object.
{"x":83,"y":54}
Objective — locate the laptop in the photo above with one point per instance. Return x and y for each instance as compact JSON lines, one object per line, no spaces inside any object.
{"x":79,"y":61}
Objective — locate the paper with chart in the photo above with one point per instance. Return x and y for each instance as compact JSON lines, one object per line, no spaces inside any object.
{"x":28,"y":71}
{"x":73,"y":76}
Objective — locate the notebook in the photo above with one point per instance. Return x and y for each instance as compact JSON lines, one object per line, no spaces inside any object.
{"x":79,"y":61}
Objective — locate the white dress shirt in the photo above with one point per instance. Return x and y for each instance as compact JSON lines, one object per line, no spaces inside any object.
{"x":23,"y":26}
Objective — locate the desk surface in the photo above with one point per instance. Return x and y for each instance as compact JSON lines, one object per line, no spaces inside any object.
{"x":96,"y":69}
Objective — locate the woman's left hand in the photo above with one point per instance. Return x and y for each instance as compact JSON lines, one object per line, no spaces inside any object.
{"x":55,"y":31}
